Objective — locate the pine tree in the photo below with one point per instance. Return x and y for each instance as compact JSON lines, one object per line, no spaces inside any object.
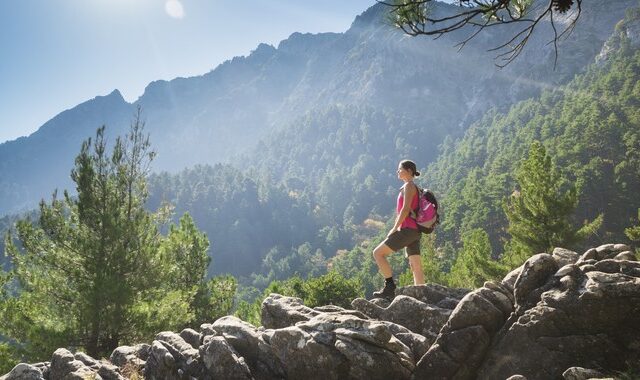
{"x":633,"y":233}
{"x":474,"y":264}
{"x":94,"y":271}
{"x":539,"y":213}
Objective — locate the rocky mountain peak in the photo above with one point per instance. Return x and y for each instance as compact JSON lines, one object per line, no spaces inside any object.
{"x":627,"y":30}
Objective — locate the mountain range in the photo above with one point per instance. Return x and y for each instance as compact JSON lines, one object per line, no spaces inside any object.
{"x":221,"y":115}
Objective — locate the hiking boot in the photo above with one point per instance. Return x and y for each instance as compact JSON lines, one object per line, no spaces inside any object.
{"x":389,"y":291}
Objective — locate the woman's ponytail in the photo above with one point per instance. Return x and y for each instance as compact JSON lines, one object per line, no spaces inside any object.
{"x":410,"y":165}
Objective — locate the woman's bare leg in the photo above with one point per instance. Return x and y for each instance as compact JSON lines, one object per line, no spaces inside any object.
{"x":416,"y":267}
{"x":380,"y":254}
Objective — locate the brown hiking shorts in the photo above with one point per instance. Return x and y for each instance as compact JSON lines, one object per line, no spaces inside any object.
{"x":406,"y":238}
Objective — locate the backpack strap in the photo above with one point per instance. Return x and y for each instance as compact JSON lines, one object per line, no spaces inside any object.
{"x":414,"y":212}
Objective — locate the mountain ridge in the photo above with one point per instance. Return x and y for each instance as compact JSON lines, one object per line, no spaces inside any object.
{"x":195,"y":120}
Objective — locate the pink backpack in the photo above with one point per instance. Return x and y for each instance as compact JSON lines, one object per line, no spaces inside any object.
{"x":426,"y":214}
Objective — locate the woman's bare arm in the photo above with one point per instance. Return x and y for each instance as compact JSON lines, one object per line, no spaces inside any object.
{"x":409,"y":191}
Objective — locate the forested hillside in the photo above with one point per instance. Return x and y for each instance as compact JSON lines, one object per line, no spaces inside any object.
{"x":243,"y":217}
{"x":590,"y":128}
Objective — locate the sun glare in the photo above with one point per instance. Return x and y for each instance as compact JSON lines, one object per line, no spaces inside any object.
{"x":174,"y":9}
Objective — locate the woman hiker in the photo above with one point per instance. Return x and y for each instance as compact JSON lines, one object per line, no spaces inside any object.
{"x":404,"y":234}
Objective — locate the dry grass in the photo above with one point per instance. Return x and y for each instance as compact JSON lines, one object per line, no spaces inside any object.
{"x":132,"y":371}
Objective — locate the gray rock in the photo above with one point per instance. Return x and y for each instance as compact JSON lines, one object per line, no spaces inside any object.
{"x":192,"y":337}
{"x":86,"y":359}
{"x":381,"y":302}
{"x":409,"y":312}
{"x":448,"y":303}
{"x":418,"y":344}
{"x":463,"y":341}
{"x":23,"y":371}
{"x":109,"y":372}
{"x":279,"y":311}
{"x":567,"y":270}
{"x":161,"y":365}
{"x":564,"y":256}
{"x":626,"y":255}
{"x":432,"y":294}
{"x":333,"y":309}
{"x":368,"y":362}
{"x":305,"y":355}
{"x":83,"y":373}
{"x":248,"y":342}
{"x":130,"y":355}
{"x":436,"y":364}
{"x":242,"y":336}
{"x":534,"y":275}
{"x":510,"y":279}
{"x":579,"y":373}
{"x":587,"y":324}
{"x":499,"y":299}
{"x":105,"y":370}
{"x":341,"y":346}
{"x":609,"y":251}
{"x":605,"y":248}
{"x":590,"y":254}
{"x":475,"y":310}
{"x":571,"y":276}
{"x":45,"y":368}
{"x":222,"y":361}
{"x":617,"y":266}
{"x":207,"y":329}
{"x":170,"y":353}
{"x":65,"y":366}
{"x":500,"y":288}
{"x":621,"y":247}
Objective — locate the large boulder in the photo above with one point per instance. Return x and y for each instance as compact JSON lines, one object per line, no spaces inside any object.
{"x":564,"y":256}
{"x":24,"y":371}
{"x":409,"y":312}
{"x":222,"y":361}
{"x":249,"y":343}
{"x":532,"y":280}
{"x":579,"y":373}
{"x":418,"y":344}
{"x":132,"y":356}
{"x":434,"y":294}
{"x":65,"y":366}
{"x":171,"y":357}
{"x":280,"y":311}
{"x":464,"y":339}
{"x":586,"y":317}
{"x":332,"y":346}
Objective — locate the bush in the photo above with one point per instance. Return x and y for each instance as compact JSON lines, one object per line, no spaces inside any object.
{"x":331,"y":289}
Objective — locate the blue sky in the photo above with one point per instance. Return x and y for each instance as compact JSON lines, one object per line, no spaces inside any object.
{"x":59,"y":53}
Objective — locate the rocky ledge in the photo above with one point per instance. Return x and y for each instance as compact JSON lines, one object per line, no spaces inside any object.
{"x":559,"y":315}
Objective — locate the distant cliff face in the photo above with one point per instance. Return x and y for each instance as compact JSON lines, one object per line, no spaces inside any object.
{"x":213,"y":117}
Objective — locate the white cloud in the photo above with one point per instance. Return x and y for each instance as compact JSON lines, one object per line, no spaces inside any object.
{"x":174,"y":9}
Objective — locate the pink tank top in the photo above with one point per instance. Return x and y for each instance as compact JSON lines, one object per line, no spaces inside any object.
{"x":408,"y":221}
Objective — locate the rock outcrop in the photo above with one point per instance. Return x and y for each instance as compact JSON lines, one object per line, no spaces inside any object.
{"x":559,"y":315}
